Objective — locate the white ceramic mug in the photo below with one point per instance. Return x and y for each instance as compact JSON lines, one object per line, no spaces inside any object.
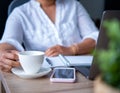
{"x":31,"y":61}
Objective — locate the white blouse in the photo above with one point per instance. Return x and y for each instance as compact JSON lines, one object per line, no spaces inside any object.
{"x":30,"y":25}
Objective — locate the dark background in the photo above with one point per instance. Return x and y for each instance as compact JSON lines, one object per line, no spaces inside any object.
{"x":109,"y":5}
{"x":112,"y":5}
{"x":3,"y":14}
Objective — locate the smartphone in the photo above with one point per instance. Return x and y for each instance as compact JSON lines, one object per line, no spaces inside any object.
{"x":63,"y":74}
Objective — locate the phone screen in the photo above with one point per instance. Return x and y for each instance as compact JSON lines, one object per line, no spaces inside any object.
{"x":63,"y":73}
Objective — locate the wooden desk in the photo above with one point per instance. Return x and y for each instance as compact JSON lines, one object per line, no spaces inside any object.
{"x":13,"y":84}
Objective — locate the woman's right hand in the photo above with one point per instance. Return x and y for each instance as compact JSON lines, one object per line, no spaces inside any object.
{"x":8,"y":60}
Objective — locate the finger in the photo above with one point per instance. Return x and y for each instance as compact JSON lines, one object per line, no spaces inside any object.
{"x":6,"y":70}
{"x":9,"y":59}
{"x":10,"y":62}
{"x":14,"y":52}
{"x":11,"y":56}
{"x":49,"y":52}
{"x":54,"y":54}
{"x":5,"y":67}
{"x":1,"y":66}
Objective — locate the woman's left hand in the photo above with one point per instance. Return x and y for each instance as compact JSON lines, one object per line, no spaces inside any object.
{"x":58,"y":49}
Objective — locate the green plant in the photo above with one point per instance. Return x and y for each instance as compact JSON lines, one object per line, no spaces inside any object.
{"x":109,"y":60}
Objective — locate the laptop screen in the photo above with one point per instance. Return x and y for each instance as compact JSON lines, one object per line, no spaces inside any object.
{"x":103,"y":40}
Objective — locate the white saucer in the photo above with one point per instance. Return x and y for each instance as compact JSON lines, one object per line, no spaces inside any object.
{"x":20,"y":72}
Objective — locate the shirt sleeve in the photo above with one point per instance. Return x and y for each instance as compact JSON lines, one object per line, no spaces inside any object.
{"x":13,"y":33}
{"x":85,"y":23}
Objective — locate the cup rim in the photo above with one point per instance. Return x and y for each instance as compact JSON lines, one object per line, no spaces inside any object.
{"x":32,"y":53}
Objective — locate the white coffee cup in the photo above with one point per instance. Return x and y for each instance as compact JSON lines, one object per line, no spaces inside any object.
{"x":31,"y":61}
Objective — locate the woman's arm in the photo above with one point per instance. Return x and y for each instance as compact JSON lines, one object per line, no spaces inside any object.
{"x":6,"y":46}
{"x":86,"y":47}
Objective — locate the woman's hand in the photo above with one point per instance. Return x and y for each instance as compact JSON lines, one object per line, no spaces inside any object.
{"x":85,"y":47}
{"x":8,"y":59}
{"x":58,"y":49}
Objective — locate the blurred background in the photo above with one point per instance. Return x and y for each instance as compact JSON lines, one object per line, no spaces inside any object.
{"x":94,"y":7}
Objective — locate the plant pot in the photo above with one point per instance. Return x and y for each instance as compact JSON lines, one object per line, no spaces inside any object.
{"x":102,"y":87}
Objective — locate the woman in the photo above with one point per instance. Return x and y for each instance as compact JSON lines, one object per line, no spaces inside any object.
{"x":53,"y":26}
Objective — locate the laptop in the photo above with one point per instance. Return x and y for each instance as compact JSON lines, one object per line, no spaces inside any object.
{"x":93,"y":71}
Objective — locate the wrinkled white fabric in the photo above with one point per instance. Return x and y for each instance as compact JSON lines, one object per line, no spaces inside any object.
{"x":30,"y":25}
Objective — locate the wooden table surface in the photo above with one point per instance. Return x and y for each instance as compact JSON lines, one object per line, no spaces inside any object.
{"x":15,"y":84}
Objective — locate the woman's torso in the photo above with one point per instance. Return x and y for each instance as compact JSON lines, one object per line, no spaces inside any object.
{"x":41,"y":33}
